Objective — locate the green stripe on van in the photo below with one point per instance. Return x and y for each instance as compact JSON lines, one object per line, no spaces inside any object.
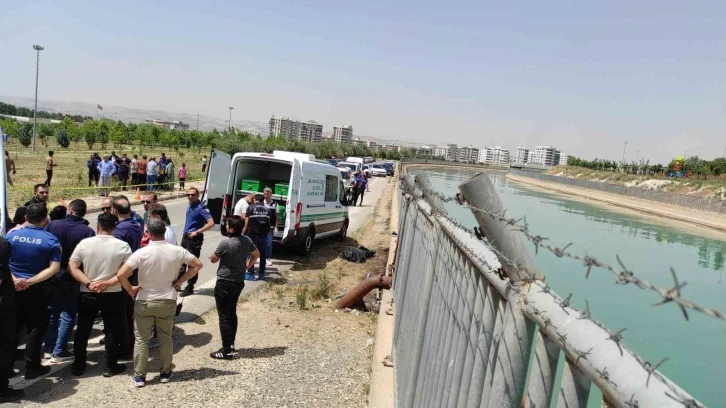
{"x":318,"y":217}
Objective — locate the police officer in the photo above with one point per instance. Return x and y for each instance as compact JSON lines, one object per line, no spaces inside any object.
{"x":198,"y":220}
{"x":35,"y":257}
{"x":7,"y":325}
{"x":260,"y":219}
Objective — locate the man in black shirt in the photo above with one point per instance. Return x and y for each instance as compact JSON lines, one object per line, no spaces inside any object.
{"x":40,"y":195}
{"x":259,"y":221}
{"x":7,"y":325}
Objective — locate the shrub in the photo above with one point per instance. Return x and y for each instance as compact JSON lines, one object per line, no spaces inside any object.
{"x":61,"y":137}
{"x":302,"y":298}
{"x":25,"y":136}
{"x":323,"y":290}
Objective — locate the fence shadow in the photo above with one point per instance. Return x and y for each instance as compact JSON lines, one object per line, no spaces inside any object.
{"x":265,"y":352}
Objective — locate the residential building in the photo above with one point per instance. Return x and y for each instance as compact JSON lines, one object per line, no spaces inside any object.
{"x":426,"y":151}
{"x":174,"y":124}
{"x":343,"y":133}
{"x":468,"y":154}
{"x":373,"y":146}
{"x":545,"y":156}
{"x":389,"y":148}
{"x":452,"y":153}
{"x":522,"y":155}
{"x":563,"y":159}
{"x":496,"y":155}
{"x":441,"y":151}
{"x":286,"y":127}
{"x":311,"y":131}
{"x":530,"y":157}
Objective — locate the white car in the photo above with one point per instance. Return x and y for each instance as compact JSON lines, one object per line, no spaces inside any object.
{"x":377,"y":170}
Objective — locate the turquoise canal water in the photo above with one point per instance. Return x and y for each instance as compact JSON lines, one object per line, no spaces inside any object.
{"x":696,"y":348}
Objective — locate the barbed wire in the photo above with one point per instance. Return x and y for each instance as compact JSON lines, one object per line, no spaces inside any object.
{"x":627,"y":276}
{"x":622,"y":274}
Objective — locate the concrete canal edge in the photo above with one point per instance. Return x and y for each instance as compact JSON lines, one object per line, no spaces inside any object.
{"x":381,"y":393}
{"x":700,"y":218}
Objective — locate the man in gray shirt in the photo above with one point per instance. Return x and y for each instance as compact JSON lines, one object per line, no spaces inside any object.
{"x":235,"y":255}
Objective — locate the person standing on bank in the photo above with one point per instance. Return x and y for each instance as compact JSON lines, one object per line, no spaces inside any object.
{"x":134,"y":169}
{"x":106,"y":169}
{"x":259,"y":220}
{"x":198,"y":220}
{"x":70,"y":231}
{"x":182,"y":175}
{"x":170,"y":174}
{"x":9,"y":166}
{"x":7,"y":326}
{"x":204,"y":163}
{"x":94,"y":264}
{"x":271,"y":205}
{"x":49,"y":164}
{"x":151,"y":173}
{"x":235,"y":255}
{"x":158,"y":265}
{"x":35,"y":257}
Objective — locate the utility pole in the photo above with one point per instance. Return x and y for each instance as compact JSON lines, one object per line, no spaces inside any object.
{"x":230,"y":119}
{"x":37,"y":49}
{"x":624,"y":148}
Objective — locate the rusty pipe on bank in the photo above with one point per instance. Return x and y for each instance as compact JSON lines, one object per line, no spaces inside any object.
{"x":356,"y":294}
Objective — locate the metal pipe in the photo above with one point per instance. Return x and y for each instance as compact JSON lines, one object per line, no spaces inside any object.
{"x":357,"y":294}
{"x":516,"y":260}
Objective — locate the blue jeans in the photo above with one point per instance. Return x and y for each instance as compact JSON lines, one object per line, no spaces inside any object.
{"x":268,"y":246}
{"x":150,"y":181}
{"x":63,"y":312}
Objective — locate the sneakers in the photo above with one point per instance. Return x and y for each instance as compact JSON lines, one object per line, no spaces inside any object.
{"x":164,"y":378}
{"x":188,"y":291}
{"x":112,"y":371}
{"x":138,"y":381}
{"x":221,"y":355}
{"x":153,"y":343}
{"x":61,"y":357}
{"x":249,"y":276}
{"x":10,"y":395}
{"x":33,"y":373}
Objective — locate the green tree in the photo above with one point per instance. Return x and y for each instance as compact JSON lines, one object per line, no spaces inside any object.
{"x":61,"y":137}
{"x":25,"y":135}
{"x":103,"y":131}
{"x":44,"y":132}
{"x":89,"y":131}
{"x":118,"y":134}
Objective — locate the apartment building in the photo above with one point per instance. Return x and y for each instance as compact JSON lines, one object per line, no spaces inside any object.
{"x":468,"y":154}
{"x":496,"y":155}
{"x":522,"y":155}
{"x":441,"y":151}
{"x":286,"y":127}
{"x":343,"y":134}
{"x":452,"y":153}
{"x":546,"y":156}
{"x":563,"y":159}
{"x":173,"y":124}
{"x":311,"y":131}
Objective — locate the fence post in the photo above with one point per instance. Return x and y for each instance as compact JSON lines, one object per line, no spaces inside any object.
{"x":516,"y":261}
{"x":417,"y":348}
{"x":542,"y":377}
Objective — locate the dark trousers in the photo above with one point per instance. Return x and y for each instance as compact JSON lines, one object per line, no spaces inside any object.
{"x":111,"y":306}
{"x":181,"y":182}
{"x":226,"y":295}
{"x":122,"y":180}
{"x":92,"y":177}
{"x":195,"y":247}
{"x":49,"y":175}
{"x":7,"y":336}
{"x":31,"y":311}
{"x":260,"y":241}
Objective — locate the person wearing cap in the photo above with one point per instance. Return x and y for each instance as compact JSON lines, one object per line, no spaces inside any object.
{"x":260,"y":220}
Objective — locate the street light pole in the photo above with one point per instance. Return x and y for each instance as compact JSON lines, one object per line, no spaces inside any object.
{"x":626,"y":146}
{"x":37,"y":49}
{"x":230,"y":119}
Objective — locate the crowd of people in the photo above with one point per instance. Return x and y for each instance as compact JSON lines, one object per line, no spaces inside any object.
{"x":148,"y":174}
{"x":57,"y":274}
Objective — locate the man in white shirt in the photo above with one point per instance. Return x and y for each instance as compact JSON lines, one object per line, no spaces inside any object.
{"x":94,"y":264}
{"x":241,"y":207}
{"x":158,"y":212}
{"x":158,"y":265}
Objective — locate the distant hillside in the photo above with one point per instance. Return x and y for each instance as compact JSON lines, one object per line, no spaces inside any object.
{"x":131,"y":115}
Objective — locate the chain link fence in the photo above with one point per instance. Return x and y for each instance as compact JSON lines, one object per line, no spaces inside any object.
{"x":682,"y":200}
{"x":474,"y":327}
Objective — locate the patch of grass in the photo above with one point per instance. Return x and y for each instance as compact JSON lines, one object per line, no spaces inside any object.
{"x":323,"y":289}
{"x":280,"y":292}
{"x":301,"y":298}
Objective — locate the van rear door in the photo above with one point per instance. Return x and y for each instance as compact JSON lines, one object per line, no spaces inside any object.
{"x":219,"y":176}
{"x":294,"y":211}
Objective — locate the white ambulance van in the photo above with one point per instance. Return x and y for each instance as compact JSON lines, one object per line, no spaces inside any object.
{"x":310,"y":195}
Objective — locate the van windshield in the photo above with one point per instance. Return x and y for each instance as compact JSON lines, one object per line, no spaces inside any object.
{"x":350,"y":166}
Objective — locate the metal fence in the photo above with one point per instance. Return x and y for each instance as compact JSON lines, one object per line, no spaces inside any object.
{"x":466,"y":330}
{"x":683,"y":200}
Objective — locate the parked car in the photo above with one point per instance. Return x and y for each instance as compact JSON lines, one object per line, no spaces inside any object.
{"x":377,"y":170}
{"x":390,"y":169}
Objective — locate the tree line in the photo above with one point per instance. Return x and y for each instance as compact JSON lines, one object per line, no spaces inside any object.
{"x":8,"y":109}
{"x":103,"y":132}
{"x":692,"y":166}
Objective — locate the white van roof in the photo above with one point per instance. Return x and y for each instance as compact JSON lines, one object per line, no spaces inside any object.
{"x":279,"y":155}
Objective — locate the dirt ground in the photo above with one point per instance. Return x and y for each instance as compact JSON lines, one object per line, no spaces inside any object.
{"x":295,"y":349}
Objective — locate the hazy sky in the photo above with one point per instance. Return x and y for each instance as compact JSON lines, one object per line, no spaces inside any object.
{"x":582,"y":76}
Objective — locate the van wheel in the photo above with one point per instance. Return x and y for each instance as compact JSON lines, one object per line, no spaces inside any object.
{"x":306,"y":248}
{"x":343,"y":232}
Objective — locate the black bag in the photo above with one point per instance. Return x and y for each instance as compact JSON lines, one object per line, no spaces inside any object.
{"x":357,"y":255}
